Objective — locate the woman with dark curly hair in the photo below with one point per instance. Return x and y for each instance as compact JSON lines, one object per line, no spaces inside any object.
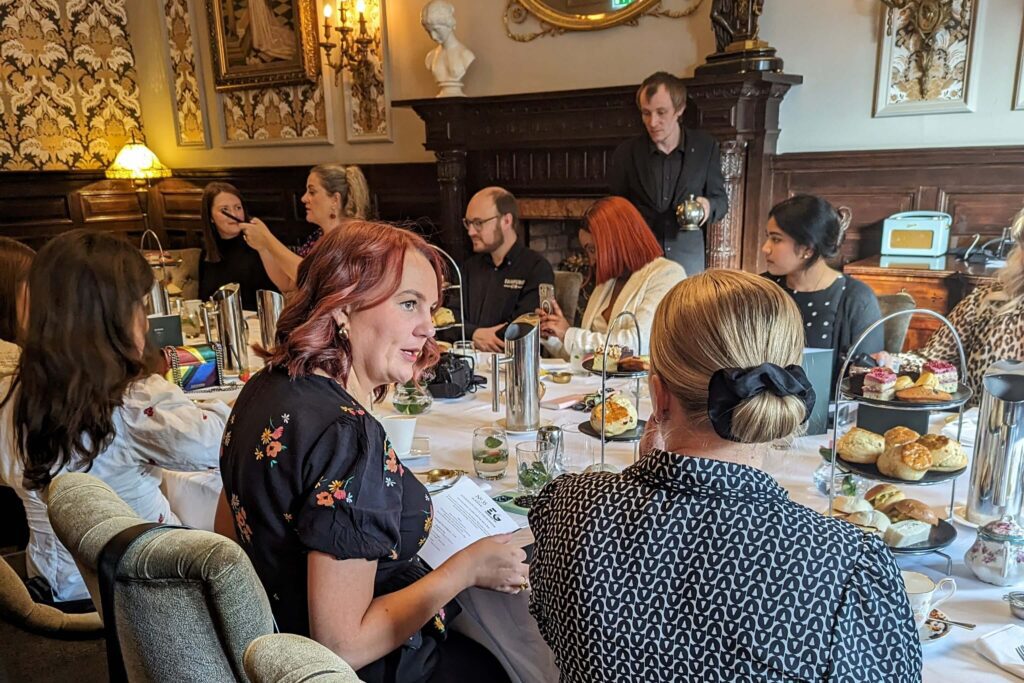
{"x":329,"y":515}
{"x":84,"y":396}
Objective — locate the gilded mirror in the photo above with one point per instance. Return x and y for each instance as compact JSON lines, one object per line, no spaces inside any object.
{"x":559,"y":16}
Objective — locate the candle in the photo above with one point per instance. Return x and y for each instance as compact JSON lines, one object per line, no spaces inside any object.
{"x":327,"y":11}
{"x":327,"y":21}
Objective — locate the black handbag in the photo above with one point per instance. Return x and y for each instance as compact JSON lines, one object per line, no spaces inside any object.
{"x":453,"y":377}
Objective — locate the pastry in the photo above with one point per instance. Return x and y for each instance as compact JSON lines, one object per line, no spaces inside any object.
{"x":927,"y":379}
{"x":607,"y":359}
{"x":922,"y":394}
{"x":860,"y":445}
{"x":903,"y":382}
{"x":635,"y":364}
{"x":443,"y":317}
{"x":870,"y":521}
{"x":621,"y":416}
{"x":945,"y":374}
{"x":883,"y":495}
{"x":897,"y":436}
{"x":947,"y":454}
{"x":850,"y":504}
{"x":910,"y":461}
{"x":879,"y":383}
{"x":912,"y":509}
{"x":906,"y":533}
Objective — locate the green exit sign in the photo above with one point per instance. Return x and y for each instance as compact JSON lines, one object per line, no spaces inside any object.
{"x":619,"y":4}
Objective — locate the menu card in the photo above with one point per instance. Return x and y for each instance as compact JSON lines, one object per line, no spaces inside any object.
{"x":463,"y":514}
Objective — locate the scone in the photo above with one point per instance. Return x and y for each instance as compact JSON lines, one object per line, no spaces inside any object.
{"x":443,"y":317}
{"x":910,"y":461}
{"x":860,"y":445}
{"x":621,"y":416}
{"x":897,"y":436}
{"x":947,"y":454}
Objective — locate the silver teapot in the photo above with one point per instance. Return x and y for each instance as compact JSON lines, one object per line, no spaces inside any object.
{"x":690,"y":214}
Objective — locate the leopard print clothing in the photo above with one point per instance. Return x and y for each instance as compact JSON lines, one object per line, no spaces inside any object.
{"x":986,"y":334}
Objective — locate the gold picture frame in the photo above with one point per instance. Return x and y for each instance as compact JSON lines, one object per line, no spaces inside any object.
{"x":555,"y":17}
{"x":577,"y":21}
{"x":259,"y":43}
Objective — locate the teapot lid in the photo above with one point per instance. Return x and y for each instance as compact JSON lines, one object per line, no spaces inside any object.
{"x":1004,"y":529}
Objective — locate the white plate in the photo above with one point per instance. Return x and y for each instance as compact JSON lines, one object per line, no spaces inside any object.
{"x":501,"y":423}
{"x":960,"y":517}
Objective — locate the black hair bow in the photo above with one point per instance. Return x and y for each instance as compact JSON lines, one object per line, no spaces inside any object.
{"x":731,"y":386}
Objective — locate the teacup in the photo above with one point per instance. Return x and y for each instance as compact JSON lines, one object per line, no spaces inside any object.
{"x":400,"y":430}
{"x":921,"y":593}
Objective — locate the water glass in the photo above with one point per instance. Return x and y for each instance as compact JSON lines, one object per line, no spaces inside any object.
{"x":490,"y":452}
{"x":535,"y":460}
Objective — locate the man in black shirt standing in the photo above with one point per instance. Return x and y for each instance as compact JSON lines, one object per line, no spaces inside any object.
{"x":502,"y":278}
{"x":658,"y":170}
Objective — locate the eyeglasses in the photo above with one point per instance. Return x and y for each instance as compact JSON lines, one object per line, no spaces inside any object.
{"x":477,"y":223}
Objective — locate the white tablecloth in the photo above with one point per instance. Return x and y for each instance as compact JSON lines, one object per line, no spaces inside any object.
{"x":449,"y":425}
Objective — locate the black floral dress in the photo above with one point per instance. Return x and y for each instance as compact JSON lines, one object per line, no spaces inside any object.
{"x":306,"y":468}
{"x":689,"y":569}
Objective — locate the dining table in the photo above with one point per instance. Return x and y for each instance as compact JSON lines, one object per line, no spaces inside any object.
{"x":503,"y":623}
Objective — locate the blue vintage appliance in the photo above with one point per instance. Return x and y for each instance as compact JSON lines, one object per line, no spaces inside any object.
{"x":916,"y":233}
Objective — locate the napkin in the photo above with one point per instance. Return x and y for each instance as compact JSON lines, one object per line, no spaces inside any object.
{"x":999,"y":647}
{"x":970,"y":428}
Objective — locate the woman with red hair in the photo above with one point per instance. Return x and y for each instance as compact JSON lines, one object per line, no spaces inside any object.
{"x":317,"y":497}
{"x":632,"y":275}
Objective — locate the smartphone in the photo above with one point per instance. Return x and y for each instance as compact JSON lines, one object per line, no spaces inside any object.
{"x":547,"y":297}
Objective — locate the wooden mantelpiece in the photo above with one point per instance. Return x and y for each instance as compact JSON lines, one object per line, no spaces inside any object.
{"x":559,"y":144}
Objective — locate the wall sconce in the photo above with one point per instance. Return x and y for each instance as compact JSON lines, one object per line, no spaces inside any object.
{"x":353,"y":50}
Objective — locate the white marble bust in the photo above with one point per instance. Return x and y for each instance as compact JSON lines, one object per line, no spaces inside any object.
{"x":450,"y":59}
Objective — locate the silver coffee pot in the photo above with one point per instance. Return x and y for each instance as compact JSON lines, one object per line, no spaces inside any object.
{"x":998,"y":463}
{"x":269,"y":305}
{"x":159,"y":301}
{"x":522,"y":375}
{"x":690,"y":214}
{"x":224,"y":322}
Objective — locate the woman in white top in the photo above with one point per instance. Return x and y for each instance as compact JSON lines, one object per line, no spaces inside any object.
{"x":84,"y":396}
{"x":632,"y":275}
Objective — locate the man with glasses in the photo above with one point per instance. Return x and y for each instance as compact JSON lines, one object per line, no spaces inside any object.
{"x":502,"y":278}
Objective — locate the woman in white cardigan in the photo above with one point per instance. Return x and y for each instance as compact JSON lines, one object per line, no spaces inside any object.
{"x":632,"y":275}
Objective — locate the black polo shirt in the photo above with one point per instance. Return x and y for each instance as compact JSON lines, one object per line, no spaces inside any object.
{"x":499,"y":294}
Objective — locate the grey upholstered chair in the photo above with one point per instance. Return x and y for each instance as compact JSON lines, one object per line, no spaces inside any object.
{"x":188,"y":602}
{"x":567,"y":293}
{"x":287,"y":658}
{"x":896,"y":329}
{"x":186,"y":275}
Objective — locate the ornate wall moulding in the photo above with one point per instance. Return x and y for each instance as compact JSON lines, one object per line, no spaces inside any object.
{"x":554,"y":17}
{"x":185,"y":73}
{"x":926,"y":63}
{"x":1018,"y":91}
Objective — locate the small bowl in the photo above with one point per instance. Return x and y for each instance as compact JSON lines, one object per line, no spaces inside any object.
{"x":561,"y":377}
{"x":1016,"y":600}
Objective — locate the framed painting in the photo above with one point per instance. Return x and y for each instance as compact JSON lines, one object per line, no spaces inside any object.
{"x":259,"y":43}
{"x":926,"y":64}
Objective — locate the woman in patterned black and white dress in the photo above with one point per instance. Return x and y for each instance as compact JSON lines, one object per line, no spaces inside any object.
{"x":694,"y":564}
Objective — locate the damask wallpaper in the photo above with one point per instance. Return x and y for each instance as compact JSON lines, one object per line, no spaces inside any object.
{"x":282,"y":113}
{"x":188,"y":99}
{"x":69,"y":97}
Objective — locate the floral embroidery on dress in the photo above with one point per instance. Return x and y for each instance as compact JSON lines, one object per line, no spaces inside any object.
{"x":391,"y":463}
{"x":336,"y":490}
{"x":308,"y":244}
{"x":241,"y":523}
{"x":270,"y":438}
{"x":149,"y":411}
{"x":348,"y":410}
{"x":438,"y":622}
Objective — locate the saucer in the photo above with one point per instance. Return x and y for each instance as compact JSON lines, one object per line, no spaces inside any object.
{"x":960,"y":517}
{"x":934,"y":630}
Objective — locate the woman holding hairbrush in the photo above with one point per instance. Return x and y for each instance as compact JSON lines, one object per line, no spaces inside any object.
{"x":226,"y":257}
{"x":693,"y":564}
{"x":335,"y":194}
